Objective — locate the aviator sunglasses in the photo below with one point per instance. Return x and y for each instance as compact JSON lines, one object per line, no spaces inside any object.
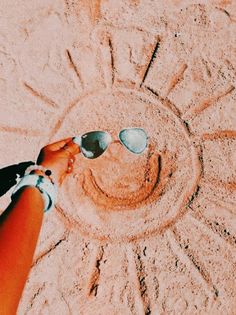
{"x":94,"y":143}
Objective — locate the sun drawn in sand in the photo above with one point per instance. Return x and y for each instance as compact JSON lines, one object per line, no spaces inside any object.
{"x":152,"y":233}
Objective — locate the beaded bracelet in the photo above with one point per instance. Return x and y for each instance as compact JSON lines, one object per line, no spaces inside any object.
{"x":46,"y":171}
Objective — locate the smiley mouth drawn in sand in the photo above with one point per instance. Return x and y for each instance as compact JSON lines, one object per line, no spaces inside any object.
{"x":153,"y":185}
{"x":117,"y":189}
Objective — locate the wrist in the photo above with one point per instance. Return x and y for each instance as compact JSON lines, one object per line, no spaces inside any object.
{"x":38,"y":172}
{"x":41,"y":170}
{"x":43,"y":184}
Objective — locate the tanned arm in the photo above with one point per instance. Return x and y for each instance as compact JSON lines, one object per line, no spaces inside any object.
{"x":19,"y":230}
{"x":21,"y":222}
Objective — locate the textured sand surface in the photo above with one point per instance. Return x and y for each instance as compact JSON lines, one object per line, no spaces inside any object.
{"x":131,"y":234}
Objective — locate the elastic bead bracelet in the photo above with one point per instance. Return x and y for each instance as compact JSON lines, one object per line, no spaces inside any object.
{"x":46,"y":171}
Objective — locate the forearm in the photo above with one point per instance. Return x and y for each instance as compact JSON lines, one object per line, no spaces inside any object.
{"x":19,"y":230}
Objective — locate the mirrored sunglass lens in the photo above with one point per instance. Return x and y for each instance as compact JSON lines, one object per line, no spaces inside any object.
{"x":134,"y":139}
{"x":94,"y":143}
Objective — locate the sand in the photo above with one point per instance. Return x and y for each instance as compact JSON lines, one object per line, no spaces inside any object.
{"x":153,"y":233}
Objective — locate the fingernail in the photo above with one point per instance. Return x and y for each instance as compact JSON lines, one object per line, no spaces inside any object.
{"x":76,"y":140}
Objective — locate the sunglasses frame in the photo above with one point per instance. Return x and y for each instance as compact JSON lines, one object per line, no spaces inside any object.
{"x":112,"y":140}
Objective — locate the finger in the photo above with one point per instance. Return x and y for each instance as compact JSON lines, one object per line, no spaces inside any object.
{"x":71,"y":159}
{"x":72,"y":147}
{"x":69,"y":169}
{"x":59,"y":144}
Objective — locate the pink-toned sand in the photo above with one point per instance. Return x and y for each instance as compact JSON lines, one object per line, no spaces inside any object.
{"x":130,"y":234}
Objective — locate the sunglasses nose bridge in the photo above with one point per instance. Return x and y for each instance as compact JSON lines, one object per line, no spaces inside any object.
{"x":115,"y":141}
{"x":114,"y":148}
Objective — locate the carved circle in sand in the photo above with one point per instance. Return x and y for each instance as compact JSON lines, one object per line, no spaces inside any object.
{"x":120,"y":192}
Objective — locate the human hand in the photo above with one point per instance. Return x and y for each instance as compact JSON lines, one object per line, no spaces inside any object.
{"x":59,"y":157}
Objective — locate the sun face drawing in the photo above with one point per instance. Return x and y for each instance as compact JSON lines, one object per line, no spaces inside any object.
{"x":142,"y":234}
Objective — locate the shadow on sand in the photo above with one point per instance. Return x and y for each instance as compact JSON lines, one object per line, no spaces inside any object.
{"x":8,"y":175}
